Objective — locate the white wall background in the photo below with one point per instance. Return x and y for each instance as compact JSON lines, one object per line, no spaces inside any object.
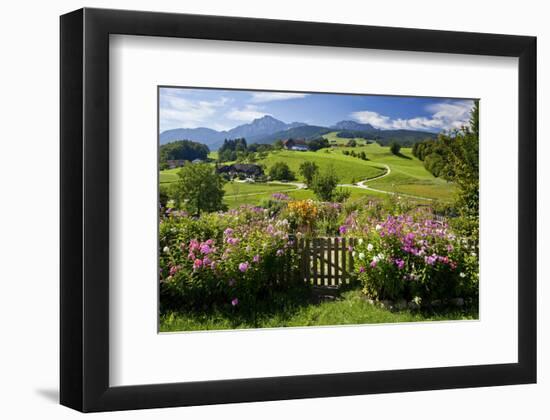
{"x":29,"y":92}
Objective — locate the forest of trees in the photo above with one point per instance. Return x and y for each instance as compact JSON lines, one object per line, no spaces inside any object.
{"x":454,"y":156}
{"x":183,"y":150}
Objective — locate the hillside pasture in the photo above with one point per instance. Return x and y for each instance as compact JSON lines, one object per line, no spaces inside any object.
{"x":349,"y":169}
{"x":407,"y":175}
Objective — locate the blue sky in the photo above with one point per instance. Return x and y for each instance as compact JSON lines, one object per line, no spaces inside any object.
{"x":224,"y":109}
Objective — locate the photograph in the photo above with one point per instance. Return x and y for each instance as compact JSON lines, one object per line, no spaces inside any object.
{"x":298,"y":209}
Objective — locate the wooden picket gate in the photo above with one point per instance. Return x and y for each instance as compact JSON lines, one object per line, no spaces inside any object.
{"x":325,"y":261}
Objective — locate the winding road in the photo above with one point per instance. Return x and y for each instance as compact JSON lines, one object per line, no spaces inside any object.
{"x":361,"y":184}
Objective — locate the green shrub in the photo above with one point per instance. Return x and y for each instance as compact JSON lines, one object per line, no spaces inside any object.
{"x":280,"y":171}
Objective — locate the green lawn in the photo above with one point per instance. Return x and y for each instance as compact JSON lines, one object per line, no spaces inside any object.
{"x":352,"y":308}
{"x":238,"y":193}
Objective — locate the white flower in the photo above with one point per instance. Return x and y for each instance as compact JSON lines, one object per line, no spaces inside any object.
{"x":474,"y":254}
{"x":375,"y":258}
{"x":378,"y":227}
{"x":353,"y":253}
{"x":361,"y":256}
{"x":462,"y":275}
{"x":370,"y":247}
{"x":360,"y":241}
{"x":166,"y":250}
{"x":380,"y":256}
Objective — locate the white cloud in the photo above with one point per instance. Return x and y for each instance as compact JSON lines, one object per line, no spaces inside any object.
{"x":247,"y":114}
{"x":374,"y":118}
{"x":259,"y":97}
{"x":445,"y":116}
{"x":177,"y":111}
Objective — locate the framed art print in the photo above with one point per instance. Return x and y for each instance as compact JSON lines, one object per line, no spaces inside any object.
{"x":256,"y":209}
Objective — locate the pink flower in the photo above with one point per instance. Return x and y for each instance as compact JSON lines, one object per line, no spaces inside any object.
{"x":280,"y":252}
{"x":243,"y":267}
{"x":174,"y":269}
{"x":235,"y":302}
{"x":256,"y":258}
{"x":191,"y":256}
{"x":361,"y":269}
{"x":373,"y":264}
{"x":197,"y":264}
{"x":400,"y":263}
{"x":193,"y":245}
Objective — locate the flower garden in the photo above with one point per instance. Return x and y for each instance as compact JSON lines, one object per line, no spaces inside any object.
{"x":240,"y":268}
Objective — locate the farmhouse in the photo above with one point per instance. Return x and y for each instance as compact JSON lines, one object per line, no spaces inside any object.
{"x":175,"y":163}
{"x":247,"y":169}
{"x":295,"y":144}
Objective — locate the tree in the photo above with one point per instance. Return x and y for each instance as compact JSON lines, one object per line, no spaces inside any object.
{"x":316,"y":144}
{"x":351,"y":143}
{"x":324,"y":184}
{"x":278,"y":144}
{"x":308,"y":170}
{"x":363,"y":156}
{"x":183,"y":150}
{"x":395,"y":148}
{"x":199,"y":188}
{"x":281,"y":172}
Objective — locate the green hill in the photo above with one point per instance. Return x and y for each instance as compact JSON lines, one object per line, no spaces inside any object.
{"x":349,"y":169}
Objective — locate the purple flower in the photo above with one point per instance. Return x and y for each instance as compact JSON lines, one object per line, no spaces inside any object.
{"x":235,"y":302}
{"x":232,"y":241}
{"x":343,"y":229}
{"x":205,"y":249}
{"x":280,"y":252}
{"x":361,"y":269}
{"x":206,"y":261}
{"x":400,"y":263}
{"x":430,"y":259}
{"x":280,"y":196}
{"x":228,"y":232}
{"x":243,"y":267}
{"x":256,"y":258}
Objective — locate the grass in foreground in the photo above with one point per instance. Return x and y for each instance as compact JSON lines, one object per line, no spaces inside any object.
{"x":299,"y":311}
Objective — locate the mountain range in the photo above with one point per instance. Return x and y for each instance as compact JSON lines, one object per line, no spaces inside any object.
{"x":268,"y":129}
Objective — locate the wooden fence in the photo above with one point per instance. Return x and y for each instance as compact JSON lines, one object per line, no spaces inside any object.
{"x":325,"y":261}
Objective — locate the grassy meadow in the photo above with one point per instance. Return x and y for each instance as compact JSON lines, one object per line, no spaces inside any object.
{"x":406,"y":175}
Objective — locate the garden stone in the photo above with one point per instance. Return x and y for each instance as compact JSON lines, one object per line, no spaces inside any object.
{"x":386,"y":304}
{"x":413,"y":305}
{"x":457,"y":302}
{"x":401,"y":304}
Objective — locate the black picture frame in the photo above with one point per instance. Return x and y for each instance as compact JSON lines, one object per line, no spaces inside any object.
{"x":84,"y":236}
